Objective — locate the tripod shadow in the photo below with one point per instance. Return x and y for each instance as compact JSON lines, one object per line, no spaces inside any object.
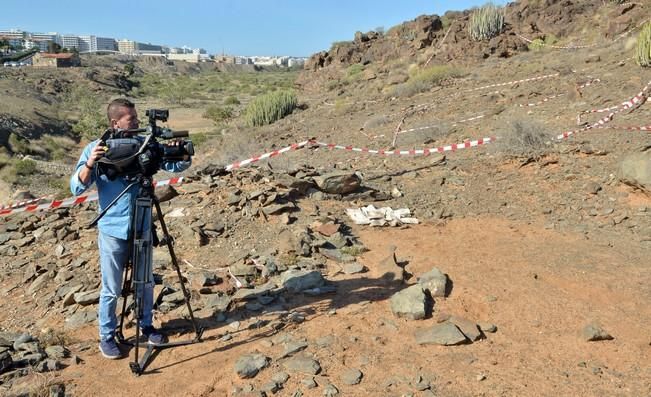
{"x":345,"y":293}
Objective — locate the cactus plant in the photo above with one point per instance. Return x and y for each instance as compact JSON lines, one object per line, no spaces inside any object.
{"x":270,"y":107}
{"x":643,"y":54}
{"x":486,"y":22}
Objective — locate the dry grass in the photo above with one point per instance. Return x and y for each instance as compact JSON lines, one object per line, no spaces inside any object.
{"x":522,"y":138}
{"x":55,"y":337}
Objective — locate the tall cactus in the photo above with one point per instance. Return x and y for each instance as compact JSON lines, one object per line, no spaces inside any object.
{"x":486,"y":22}
{"x":270,"y":107}
{"x":643,"y":54}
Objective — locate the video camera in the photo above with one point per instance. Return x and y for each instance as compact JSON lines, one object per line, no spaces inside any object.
{"x":130,"y":154}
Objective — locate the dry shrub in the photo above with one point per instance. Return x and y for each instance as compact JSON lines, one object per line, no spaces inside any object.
{"x":35,"y":384}
{"x":55,"y":337}
{"x":522,"y":138}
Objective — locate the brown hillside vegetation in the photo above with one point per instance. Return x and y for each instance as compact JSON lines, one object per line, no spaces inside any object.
{"x":526,"y":275}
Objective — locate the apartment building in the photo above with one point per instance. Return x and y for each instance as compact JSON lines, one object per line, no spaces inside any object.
{"x":131,"y":47}
{"x":14,"y":37}
{"x":68,"y":41}
{"x":40,"y":40}
{"x":92,"y":43}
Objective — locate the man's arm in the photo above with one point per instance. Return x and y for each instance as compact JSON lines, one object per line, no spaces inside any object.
{"x":84,"y":174}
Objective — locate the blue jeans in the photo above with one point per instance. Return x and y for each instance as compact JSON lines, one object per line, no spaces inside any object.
{"x":113,"y":255}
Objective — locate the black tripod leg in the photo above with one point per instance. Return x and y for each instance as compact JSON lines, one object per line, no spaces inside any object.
{"x":126,"y":289}
{"x":141,"y":268}
{"x":168,"y":240}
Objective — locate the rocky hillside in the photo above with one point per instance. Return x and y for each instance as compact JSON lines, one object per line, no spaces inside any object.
{"x":445,"y":39}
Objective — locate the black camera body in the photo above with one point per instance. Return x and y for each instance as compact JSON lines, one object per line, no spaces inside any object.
{"x":129,"y":154}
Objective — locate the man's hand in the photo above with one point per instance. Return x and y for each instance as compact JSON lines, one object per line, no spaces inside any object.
{"x":97,"y":153}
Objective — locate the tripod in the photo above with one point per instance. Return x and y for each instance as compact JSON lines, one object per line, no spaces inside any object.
{"x":138,"y":271}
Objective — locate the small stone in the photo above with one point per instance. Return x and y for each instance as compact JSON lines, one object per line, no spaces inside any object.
{"x":352,"y":377}
{"x":330,"y":390}
{"x":309,"y":383}
{"x":280,"y":377}
{"x":488,"y":327}
{"x":593,"y":332}
{"x":248,"y":365}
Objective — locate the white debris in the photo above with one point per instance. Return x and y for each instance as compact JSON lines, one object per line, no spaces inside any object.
{"x":384,"y":216}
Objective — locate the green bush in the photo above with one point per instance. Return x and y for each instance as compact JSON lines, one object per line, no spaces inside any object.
{"x":354,"y":70}
{"x":486,"y":22}
{"x":422,"y":80}
{"x":270,"y":107}
{"x":539,"y":44}
{"x":231,"y":100}
{"x":218,"y":114}
{"x":18,"y":144}
{"x":198,"y":139}
{"x":129,"y":69}
{"x":25,"y":167}
{"x":643,"y":54}
{"x":435,"y":74}
{"x":536,"y":45}
{"x":91,"y":119}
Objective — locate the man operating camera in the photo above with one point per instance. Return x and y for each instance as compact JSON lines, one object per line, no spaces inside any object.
{"x":114,"y":227}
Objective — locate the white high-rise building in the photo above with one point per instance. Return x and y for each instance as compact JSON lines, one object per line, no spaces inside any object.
{"x":106,"y":44}
{"x":68,"y":41}
{"x":94,"y":44}
{"x":87,"y":44}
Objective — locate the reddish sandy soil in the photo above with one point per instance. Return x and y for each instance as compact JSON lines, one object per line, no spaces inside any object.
{"x":539,"y":287}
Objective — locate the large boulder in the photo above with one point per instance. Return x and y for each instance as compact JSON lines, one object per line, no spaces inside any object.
{"x":635,"y":170}
{"x":338,"y":182}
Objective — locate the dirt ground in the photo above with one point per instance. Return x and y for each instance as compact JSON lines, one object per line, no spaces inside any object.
{"x":539,"y":287}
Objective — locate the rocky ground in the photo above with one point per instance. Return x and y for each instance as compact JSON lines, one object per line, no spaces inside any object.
{"x":527,"y":273}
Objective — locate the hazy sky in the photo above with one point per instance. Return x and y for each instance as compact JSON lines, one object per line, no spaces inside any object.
{"x":238,"y":27}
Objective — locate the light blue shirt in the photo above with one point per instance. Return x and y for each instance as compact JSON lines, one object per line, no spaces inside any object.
{"x":116,"y":221}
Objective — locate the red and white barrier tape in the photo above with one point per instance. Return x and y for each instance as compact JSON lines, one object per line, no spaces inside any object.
{"x":627,"y":128}
{"x":411,"y":152}
{"x":632,"y":103}
{"x":619,"y":37}
{"x":53,"y":204}
{"x":427,"y":105}
{"x":544,"y":100}
{"x":515,"y":82}
{"x":569,"y":47}
{"x":72,"y":201}
{"x":274,"y":153}
{"x":426,"y":127}
{"x":23,"y":203}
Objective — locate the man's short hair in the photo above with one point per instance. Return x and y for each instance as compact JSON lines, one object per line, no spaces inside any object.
{"x":113,"y":111}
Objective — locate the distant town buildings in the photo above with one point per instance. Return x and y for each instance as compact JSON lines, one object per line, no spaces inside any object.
{"x":46,"y":42}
